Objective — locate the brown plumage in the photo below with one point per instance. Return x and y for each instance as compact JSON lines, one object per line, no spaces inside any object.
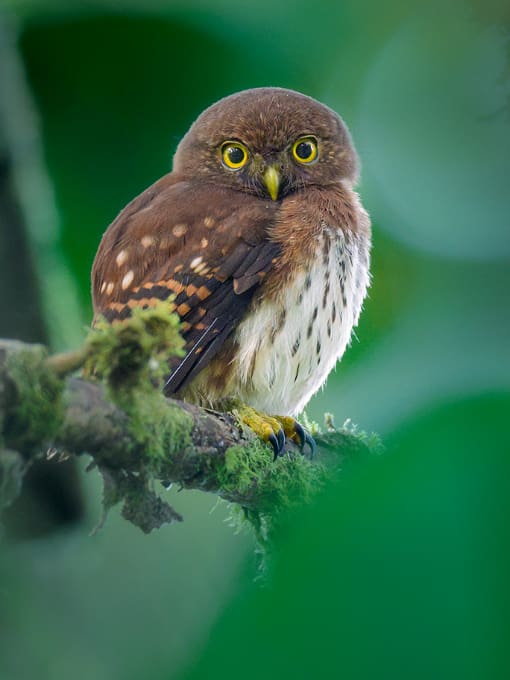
{"x":262,"y":240}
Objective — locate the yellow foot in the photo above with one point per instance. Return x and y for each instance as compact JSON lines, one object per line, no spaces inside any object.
{"x":276,"y":429}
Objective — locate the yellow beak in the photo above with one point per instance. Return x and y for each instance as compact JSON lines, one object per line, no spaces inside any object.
{"x":272,"y":181}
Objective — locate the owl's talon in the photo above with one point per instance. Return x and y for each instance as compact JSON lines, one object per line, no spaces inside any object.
{"x":300,"y":432}
{"x":281,"y":440}
{"x":310,"y":442}
{"x":295,"y":431}
{"x":275,"y":430}
{"x":267,"y":428}
{"x":275,"y":443}
{"x":305,"y":439}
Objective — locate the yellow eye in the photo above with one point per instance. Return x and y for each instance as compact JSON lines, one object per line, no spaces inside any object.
{"x":234,"y":155}
{"x":305,"y":150}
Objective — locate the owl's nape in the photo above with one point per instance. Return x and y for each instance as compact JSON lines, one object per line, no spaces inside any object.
{"x":260,"y":238}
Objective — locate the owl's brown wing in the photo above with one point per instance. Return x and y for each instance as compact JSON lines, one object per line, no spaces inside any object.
{"x":206,"y":245}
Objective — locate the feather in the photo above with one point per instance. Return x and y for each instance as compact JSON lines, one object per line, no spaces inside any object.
{"x":160,"y":245}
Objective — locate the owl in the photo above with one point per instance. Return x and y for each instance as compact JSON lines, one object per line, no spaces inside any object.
{"x":261,"y":242}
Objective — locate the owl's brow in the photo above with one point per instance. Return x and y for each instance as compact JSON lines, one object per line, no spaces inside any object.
{"x":218,"y":141}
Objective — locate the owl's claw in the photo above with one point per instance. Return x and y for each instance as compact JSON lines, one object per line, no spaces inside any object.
{"x":277,"y":441}
{"x":275,"y":430}
{"x":267,"y":428}
{"x":280,"y":435}
{"x":305,"y":439}
{"x":295,"y":431}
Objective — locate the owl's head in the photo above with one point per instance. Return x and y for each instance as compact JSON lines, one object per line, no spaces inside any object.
{"x":270,"y":142}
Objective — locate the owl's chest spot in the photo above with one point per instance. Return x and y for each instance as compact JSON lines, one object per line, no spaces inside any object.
{"x":289,"y":345}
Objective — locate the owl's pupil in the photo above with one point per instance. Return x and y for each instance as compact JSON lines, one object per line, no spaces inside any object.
{"x":304,"y":150}
{"x":235,"y":154}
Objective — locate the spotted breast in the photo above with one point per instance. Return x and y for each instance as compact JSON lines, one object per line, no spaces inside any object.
{"x":296,"y":330}
{"x":288,"y":347}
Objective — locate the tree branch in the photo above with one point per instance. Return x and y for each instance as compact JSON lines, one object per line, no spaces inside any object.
{"x":136,"y":436}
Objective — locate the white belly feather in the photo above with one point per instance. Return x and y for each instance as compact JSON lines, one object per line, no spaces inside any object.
{"x":288,"y":347}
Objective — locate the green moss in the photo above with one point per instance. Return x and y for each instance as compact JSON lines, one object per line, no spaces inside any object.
{"x":244,"y":467}
{"x":36,"y":409}
{"x":160,"y":431}
{"x":159,"y":428}
{"x":268,"y":491}
{"x":135,"y":352}
{"x":132,"y":359}
{"x":270,"y":486}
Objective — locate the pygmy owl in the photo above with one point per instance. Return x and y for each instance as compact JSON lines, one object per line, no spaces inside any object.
{"x":259,"y":235}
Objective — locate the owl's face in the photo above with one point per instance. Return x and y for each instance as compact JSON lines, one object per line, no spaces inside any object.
{"x":269,"y":142}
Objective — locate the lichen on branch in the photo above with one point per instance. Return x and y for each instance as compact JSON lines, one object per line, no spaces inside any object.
{"x":117,"y":414}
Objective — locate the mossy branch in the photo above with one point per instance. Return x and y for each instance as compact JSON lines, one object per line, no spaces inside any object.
{"x":135,"y":436}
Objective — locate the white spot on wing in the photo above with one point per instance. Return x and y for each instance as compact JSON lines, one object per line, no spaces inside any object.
{"x":147,"y":241}
{"x":127,"y":280}
{"x":179,"y":230}
{"x":121,"y":258}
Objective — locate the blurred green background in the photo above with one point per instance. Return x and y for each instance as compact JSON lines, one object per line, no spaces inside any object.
{"x":402,"y":569}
